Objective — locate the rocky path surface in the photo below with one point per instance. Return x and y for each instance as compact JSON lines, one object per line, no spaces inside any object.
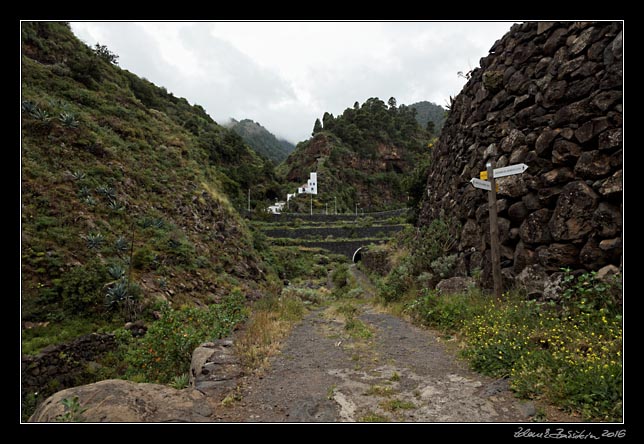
{"x":387,"y":370}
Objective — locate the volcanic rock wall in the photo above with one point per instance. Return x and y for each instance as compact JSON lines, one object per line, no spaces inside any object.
{"x":549,"y":95}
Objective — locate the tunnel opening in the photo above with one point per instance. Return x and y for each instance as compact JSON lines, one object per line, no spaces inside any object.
{"x":357,"y":255}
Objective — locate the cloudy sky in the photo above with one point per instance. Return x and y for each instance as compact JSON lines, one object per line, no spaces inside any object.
{"x":284,"y":75}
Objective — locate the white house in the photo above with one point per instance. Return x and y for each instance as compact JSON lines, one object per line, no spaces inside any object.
{"x":276,"y":208}
{"x":311,"y":187}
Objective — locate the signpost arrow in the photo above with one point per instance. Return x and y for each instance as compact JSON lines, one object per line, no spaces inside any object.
{"x":509,"y":170}
{"x":482,"y":184}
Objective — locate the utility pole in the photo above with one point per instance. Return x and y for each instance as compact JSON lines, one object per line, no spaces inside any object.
{"x":335,"y":202}
{"x":356,"y":209}
{"x":311,"y":204}
{"x":494,"y":233}
{"x":326,"y":204}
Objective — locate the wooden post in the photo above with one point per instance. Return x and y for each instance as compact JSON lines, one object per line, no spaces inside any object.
{"x":494,"y":233}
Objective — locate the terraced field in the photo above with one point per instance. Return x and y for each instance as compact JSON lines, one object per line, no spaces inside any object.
{"x":339,"y":234}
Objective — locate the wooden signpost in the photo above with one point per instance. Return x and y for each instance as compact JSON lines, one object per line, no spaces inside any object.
{"x":487,"y":182}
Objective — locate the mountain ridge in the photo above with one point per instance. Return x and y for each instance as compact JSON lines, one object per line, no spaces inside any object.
{"x":262,"y":140}
{"x":361,"y":157}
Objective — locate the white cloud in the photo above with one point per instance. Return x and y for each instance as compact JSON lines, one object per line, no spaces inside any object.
{"x":286,"y":74}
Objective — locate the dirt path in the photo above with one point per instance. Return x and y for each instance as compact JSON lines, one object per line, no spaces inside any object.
{"x":385,"y":369}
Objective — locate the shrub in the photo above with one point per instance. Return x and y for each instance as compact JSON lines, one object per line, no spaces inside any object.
{"x":340,"y":278}
{"x":104,"y":53}
{"x":166,"y":349}
{"x":447,"y":312}
{"x":145,"y":258}
{"x":397,"y":283}
{"x":432,"y":242}
{"x":81,"y":288}
{"x":586,"y":293}
{"x":444,"y":266}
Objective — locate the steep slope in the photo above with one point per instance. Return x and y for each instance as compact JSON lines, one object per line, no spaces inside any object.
{"x":428,"y":111}
{"x":121,"y":178}
{"x":261,"y":140}
{"x":361,"y":156}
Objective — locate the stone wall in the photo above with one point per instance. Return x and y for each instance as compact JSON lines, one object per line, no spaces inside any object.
{"x":355,"y":232}
{"x":347,"y":248}
{"x":317,"y":217}
{"x":549,"y":95}
{"x":60,"y":366}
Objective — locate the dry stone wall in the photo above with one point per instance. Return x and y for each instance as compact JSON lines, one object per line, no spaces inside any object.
{"x":549,"y":95}
{"x":61,"y":366}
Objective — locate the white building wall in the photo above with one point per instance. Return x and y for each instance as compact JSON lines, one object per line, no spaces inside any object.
{"x":313,"y":183}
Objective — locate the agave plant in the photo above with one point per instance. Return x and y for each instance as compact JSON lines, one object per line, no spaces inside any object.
{"x":155,"y":222}
{"x":121,"y":244}
{"x":84,"y":192}
{"x":68,"y":120}
{"x":107,"y":191}
{"x":94,"y":240}
{"x":117,"y":293}
{"x":115,"y":205}
{"x":89,"y":200}
{"x":116,"y":271}
{"x":28,"y":107}
{"x":40,"y":114}
{"x":78,"y":175}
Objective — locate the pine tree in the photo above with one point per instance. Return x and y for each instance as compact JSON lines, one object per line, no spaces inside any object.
{"x":431,"y":127}
{"x":317,"y":127}
{"x":328,"y":121}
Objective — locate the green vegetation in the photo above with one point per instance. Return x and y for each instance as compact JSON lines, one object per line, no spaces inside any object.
{"x":392,"y":405}
{"x":262,"y":141}
{"x":429,"y":115}
{"x":181,"y":381}
{"x":360,"y":157}
{"x":117,"y":172}
{"x":373,"y":417}
{"x":352,"y":325}
{"x":164,"y":353}
{"x":567,"y":353}
{"x":380,"y":390}
{"x":73,"y":410}
{"x":431,"y":261}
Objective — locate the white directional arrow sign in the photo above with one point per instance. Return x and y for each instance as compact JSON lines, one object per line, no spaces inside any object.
{"x":510,"y":170}
{"x":482,"y":184}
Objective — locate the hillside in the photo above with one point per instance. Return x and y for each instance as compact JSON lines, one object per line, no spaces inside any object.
{"x":361,"y":157}
{"x":128,"y":192}
{"x":428,"y":111}
{"x":261,"y":140}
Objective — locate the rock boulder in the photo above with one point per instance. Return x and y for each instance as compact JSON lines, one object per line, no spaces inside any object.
{"x":115,"y":400}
